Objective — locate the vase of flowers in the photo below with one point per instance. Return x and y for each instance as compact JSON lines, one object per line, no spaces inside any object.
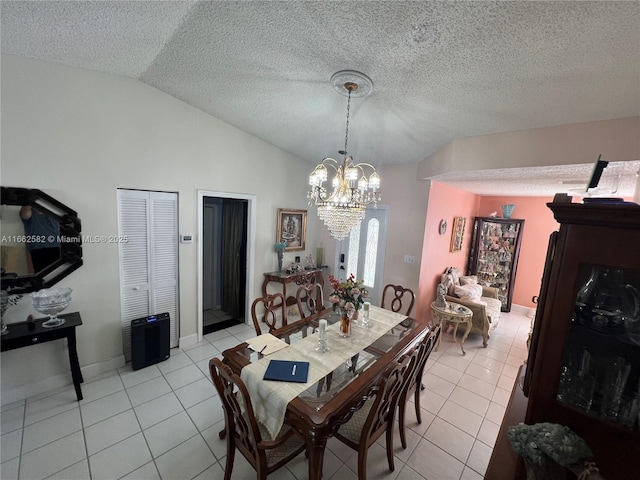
{"x":347,"y":297}
{"x":279,"y":248}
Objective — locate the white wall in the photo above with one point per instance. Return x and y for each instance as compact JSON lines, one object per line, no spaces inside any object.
{"x":573,"y":143}
{"x":78,"y":136}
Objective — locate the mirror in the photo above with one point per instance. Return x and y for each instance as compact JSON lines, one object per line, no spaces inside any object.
{"x":41,"y":242}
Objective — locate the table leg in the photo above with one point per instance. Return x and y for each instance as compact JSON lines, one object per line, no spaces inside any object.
{"x":464,"y":337}
{"x":76,"y":373}
{"x":455,"y":332}
{"x":315,"y":452}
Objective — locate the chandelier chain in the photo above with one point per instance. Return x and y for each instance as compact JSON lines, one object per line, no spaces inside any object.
{"x":346,"y":132}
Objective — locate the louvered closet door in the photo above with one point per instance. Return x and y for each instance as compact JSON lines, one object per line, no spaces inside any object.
{"x":164,"y":258}
{"x":149,"y":259}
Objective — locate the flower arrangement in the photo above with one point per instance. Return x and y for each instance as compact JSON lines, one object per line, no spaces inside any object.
{"x":348,"y":295}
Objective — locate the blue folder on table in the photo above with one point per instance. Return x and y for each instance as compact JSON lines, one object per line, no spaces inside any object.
{"x":287,"y":371}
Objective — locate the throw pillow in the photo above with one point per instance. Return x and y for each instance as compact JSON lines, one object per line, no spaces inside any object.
{"x":471,"y":292}
{"x":447,"y":281}
{"x":468,"y":279}
{"x":455,"y":275}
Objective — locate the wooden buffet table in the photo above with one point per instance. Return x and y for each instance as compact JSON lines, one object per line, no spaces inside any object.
{"x":319,"y":411}
{"x":303,"y":277}
{"x":24,"y":334}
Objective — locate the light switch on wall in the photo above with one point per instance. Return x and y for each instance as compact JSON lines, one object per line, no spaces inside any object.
{"x":409,"y":259}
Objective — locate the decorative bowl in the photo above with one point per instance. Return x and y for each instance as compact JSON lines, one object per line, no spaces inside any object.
{"x":52,"y":301}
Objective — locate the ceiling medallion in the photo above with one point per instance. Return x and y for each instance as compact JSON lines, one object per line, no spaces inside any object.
{"x":343,"y":207}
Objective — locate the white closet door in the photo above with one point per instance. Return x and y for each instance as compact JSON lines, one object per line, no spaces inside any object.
{"x":164,"y":258}
{"x":149,"y":259}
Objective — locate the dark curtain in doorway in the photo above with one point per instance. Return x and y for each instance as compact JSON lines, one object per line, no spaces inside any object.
{"x":233,"y":242}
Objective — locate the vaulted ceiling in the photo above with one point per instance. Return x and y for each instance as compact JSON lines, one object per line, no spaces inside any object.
{"x":440,"y":70}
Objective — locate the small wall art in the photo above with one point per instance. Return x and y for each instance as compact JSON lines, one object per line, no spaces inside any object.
{"x":457,"y":233}
{"x":292,"y":229}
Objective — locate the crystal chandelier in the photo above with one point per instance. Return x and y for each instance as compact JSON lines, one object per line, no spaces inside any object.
{"x":343,"y":207}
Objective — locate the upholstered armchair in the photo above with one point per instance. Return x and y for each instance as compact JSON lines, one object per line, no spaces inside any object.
{"x":485,"y":306}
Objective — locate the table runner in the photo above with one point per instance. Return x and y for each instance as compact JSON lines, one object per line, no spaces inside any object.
{"x":270,"y":399}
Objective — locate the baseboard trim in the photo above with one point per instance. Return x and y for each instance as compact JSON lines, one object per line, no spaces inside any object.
{"x":520,"y":308}
{"x":22,"y":392}
{"x":188,"y":341}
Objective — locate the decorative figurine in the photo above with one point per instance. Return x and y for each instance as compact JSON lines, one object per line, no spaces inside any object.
{"x":311,"y":263}
{"x":441,"y":292}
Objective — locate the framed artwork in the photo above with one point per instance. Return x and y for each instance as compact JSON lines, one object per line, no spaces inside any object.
{"x":292,"y":229}
{"x":457,"y":232}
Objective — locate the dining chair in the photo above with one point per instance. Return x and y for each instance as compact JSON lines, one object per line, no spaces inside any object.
{"x":377,"y":415}
{"x":411,"y":388}
{"x":310,"y":299}
{"x":273,"y":305}
{"x":399,"y":298}
{"x":244,"y":432}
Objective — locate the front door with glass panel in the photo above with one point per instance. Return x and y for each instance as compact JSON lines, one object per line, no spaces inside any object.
{"x":362,"y":252}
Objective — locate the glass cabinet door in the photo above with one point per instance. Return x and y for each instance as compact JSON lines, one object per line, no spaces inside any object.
{"x":498,"y":243}
{"x":600,"y":374}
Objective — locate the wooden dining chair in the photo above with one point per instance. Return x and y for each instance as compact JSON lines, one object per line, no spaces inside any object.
{"x":274,"y":308}
{"x":244,"y":432}
{"x":310,"y":299}
{"x":398,"y":299}
{"x":411,"y":388}
{"x":377,"y":415}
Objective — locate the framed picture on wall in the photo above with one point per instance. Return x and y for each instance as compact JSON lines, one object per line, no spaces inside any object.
{"x":292,"y":229}
{"x":457,"y":232}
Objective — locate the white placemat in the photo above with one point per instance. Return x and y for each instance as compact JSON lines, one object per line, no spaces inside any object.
{"x":270,"y":398}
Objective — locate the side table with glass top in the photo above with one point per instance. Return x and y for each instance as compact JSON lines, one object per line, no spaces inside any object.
{"x":456,"y":314}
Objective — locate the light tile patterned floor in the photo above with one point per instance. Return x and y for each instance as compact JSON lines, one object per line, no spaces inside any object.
{"x":162,"y":422}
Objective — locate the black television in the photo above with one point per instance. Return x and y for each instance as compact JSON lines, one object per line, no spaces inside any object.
{"x":598,"y":168}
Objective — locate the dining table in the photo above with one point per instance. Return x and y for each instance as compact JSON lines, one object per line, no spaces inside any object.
{"x":337,"y":386}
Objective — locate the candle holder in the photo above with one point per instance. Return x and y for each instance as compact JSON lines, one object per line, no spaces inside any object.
{"x":364,"y":323}
{"x":322,"y":337}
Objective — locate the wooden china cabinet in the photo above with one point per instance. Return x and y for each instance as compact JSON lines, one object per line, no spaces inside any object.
{"x":583,"y":369}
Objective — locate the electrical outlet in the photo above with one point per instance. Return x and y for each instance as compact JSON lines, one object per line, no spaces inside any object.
{"x":409,"y":259}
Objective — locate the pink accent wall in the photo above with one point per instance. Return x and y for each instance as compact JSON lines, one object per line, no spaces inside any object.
{"x":538,"y":225}
{"x":445,"y":202}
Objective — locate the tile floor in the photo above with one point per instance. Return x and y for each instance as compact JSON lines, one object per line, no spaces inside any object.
{"x":209,"y":317}
{"x":162,"y":422}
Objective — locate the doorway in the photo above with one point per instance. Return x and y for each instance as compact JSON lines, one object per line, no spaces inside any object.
{"x":225,"y":226}
{"x":362,"y":252}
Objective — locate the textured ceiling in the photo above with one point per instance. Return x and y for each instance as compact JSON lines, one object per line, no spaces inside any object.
{"x":441,"y":70}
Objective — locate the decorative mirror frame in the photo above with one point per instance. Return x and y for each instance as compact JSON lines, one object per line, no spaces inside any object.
{"x":70,"y":249}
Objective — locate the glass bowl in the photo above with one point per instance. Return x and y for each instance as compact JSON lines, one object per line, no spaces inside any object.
{"x":52,"y":301}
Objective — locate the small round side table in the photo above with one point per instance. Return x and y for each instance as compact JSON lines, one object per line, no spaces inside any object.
{"x":456,"y":314}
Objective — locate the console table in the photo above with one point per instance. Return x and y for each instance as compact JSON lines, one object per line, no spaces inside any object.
{"x":23,"y":334}
{"x":299,"y":278}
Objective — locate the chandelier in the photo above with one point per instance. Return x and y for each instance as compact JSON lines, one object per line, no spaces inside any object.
{"x":343,"y":206}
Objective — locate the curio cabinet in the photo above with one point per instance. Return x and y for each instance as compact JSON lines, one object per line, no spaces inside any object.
{"x":493,"y":256}
{"x":583,"y":369}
